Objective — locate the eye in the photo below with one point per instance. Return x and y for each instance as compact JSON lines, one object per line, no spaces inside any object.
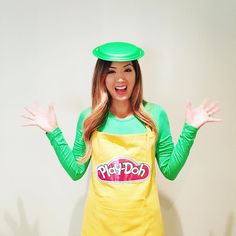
{"x":128,"y":70}
{"x":110,"y":71}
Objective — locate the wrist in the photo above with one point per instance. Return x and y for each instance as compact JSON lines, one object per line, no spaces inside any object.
{"x":54,"y":133}
{"x":191,"y":125}
{"x":50,"y":129}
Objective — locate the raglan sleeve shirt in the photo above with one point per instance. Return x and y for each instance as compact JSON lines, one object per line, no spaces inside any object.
{"x":68,"y":157}
{"x":170,"y":158}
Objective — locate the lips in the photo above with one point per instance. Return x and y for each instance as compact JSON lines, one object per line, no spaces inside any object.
{"x":121,"y":88}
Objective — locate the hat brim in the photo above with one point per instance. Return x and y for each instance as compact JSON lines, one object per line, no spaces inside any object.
{"x":118,"y":51}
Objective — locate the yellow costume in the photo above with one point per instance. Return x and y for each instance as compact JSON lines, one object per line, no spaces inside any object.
{"x":123,"y":194}
{"x":122,"y":198}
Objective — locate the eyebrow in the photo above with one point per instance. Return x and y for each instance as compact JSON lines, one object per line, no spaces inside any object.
{"x":123,"y":66}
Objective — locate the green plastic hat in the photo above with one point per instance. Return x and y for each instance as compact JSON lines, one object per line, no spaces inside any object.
{"x":118,"y":51}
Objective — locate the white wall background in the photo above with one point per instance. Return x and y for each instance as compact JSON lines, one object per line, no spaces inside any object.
{"x":45,"y":55}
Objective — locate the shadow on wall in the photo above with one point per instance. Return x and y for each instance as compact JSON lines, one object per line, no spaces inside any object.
{"x":171,"y":218}
{"x":78,"y":212}
{"x":77,"y":217}
{"x":229,"y":226}
{"x":173,"y":224}
{"x":23,"y":227}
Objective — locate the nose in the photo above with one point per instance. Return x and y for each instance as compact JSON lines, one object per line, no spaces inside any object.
{"x":120,"y":76}
{"x":120,"y":79}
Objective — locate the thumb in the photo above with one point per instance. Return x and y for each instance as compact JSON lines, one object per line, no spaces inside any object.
{"x":51,"y":106}
{"x":188,"y":104}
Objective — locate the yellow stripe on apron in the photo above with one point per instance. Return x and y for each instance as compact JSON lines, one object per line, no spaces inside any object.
{"x":122,"y":197}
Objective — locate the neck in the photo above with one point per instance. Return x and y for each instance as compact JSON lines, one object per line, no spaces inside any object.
{"x":121,"y":109}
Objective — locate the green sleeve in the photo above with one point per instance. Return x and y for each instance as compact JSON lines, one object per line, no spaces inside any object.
{"x":67,"y":157}
{"x":171,"y":158}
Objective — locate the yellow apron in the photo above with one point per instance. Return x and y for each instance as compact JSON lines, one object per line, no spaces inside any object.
{"x":122,"y":197}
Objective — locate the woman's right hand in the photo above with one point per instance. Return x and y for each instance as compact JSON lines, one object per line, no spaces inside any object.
{"x":45,"y":119}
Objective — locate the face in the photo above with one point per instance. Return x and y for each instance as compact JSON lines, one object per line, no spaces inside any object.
{"x":120,"y":80}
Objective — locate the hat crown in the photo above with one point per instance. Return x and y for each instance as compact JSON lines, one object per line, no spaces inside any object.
{"x":118,"y":51}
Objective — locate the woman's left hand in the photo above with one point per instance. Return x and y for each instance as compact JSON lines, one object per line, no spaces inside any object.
{"x":202,"y":114}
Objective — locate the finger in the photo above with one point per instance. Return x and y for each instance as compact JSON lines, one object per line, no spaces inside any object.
{"x":29,"y":124}
{"x":212,"y":119}
{"x":51,"y":106}
{"x":189,"y":104}
{"x":204,"y":103}
{"x":213,"y":110}
{"x":212,"y":106}
{"x":30,"y":111}
{"x":209,"y":107}
{"x":27,"y":117}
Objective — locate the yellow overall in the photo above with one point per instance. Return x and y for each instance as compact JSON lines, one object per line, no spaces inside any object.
{"x":122,"y":197}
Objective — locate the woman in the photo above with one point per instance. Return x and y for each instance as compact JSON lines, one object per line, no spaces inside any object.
{"x":123,"y":135}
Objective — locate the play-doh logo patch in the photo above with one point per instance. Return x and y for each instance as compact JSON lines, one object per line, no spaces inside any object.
{"x":122,"y":169}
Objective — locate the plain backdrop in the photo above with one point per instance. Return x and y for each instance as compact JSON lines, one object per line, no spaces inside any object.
{"x":45,"y":56}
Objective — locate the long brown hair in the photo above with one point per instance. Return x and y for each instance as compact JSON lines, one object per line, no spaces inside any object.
{"x":101,"y":102}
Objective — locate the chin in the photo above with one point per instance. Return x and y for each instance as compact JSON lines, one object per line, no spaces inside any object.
{"x":121,"y":98}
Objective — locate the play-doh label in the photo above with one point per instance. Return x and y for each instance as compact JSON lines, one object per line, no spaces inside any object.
{"x":122,"y":169}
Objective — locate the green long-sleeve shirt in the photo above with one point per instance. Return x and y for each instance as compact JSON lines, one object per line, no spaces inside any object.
{"x":170,"y":158}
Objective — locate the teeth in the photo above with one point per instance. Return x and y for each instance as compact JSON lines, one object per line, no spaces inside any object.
{"x":122,"y":87}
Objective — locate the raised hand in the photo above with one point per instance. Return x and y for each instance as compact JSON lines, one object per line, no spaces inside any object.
{"x":45,"y":119}
{"x":202,"y":114}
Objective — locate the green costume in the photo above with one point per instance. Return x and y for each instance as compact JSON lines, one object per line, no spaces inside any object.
{"x":170,"y":158}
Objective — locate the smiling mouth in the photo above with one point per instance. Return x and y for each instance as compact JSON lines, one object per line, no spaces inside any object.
{"x":121,"y":88}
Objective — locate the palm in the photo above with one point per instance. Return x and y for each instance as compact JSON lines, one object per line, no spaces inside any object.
{"x":200,"y":115}
{"x":43,"y":118}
